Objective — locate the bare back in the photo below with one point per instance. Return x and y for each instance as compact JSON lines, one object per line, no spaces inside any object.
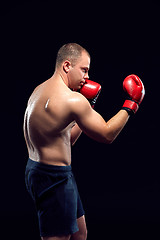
{"x":48,"y":124}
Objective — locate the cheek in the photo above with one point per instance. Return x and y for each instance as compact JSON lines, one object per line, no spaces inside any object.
{"x":77,"y":75}
{"x":71,"y":75}
{"x":80,"y":75}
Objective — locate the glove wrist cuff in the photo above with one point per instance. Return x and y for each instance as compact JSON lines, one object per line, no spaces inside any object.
{"x":130,"y":106}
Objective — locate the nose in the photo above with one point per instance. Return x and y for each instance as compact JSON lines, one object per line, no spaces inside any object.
{"x":86,"y":76}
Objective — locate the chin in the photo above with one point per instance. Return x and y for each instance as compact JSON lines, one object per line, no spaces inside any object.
{"x":77,"y":88}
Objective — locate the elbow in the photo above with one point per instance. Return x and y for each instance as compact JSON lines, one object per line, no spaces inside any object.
{"x":73,"y":143}
{"x":110,"y":136}
{"x":109,"y":141}
{"x":105,"y":139}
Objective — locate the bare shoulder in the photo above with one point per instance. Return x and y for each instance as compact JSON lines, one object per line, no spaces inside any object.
{"x":68,"y":99}
{"x":78,"y":103}
{"x":66,"y":104}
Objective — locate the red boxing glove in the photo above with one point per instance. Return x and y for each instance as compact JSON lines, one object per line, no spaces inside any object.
{"x":91,"y":91}
{"x":135,"y":90}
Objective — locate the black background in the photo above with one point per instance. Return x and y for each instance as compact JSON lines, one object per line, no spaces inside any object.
{"x":118,"y":183}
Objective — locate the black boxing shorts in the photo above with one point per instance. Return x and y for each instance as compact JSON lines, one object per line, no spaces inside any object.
{"x":56,"y":197}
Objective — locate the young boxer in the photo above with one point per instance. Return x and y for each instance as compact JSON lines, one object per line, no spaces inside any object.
{"x":57,"y":112}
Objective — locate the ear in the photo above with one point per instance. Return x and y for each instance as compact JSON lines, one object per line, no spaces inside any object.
{"x":66,"y":66}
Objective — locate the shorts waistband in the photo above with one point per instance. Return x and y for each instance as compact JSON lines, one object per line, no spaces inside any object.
{"x":42,"y":166}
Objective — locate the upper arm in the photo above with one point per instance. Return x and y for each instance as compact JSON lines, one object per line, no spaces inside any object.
{"x":90,"y":122}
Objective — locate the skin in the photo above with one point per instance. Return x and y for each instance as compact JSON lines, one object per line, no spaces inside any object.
{"x":56,"y":115}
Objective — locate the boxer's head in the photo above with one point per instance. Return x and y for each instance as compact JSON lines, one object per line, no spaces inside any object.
{"x":74,"y":61}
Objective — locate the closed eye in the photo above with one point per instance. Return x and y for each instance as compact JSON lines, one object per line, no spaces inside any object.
{"x":85,"y":70}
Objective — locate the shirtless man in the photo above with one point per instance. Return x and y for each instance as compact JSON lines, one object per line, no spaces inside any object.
{"x":54,"y":119}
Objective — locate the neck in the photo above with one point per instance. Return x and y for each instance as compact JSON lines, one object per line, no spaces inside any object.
{"x":59,"y":74}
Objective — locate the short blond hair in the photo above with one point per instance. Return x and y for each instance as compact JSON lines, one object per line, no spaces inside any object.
{"x":71,"y":52}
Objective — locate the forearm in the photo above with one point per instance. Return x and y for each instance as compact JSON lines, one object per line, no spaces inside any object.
{"x":115,"y":125}
{"x":75,"y":134}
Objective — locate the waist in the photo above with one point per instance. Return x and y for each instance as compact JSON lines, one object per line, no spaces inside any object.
{"x":48,"y":167}
{"x":51,"y":156}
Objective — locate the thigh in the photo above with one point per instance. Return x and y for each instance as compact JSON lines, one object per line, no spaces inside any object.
{"x":82,"y":233}
{"x":56,"y":238}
